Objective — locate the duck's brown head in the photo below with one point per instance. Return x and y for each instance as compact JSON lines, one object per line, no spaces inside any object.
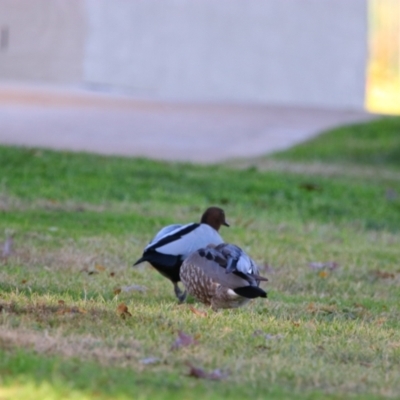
{"x":215,"y":217}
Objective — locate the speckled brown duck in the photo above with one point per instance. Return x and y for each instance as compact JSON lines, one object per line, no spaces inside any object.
{"x":222,"y":276}
{"x":173,"y":243}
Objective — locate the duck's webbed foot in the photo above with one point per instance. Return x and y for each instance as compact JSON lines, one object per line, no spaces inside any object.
{"x":178,"y":293}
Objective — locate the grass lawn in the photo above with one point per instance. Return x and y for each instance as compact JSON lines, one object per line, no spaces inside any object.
{"x":328,"y":242}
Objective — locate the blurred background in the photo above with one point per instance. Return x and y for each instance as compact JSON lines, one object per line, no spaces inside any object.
{"x":383,"y":84}
{"x":330,"y":54}
{"x":272,"y":73}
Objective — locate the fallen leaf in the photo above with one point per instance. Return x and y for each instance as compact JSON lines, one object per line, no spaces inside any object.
{"x":323,"y":274}
{"x":117,"y":291}
{"x":310,"y":187}
{"x":100,"y":267}
{"x":296,"y":324}
{"x":61,"y":302}
{"x":381,"y":321}
{"x":199,"y":373}
{"x":197,"y":312}
{"x":150,"y":360}
{"x":263,"y":347}
{"x":24,"y":281}
{"x":311,"y":307}
{"x":132,"y":288}
{"x":383,"y":274}
{"x":112,"y":273}
{"x":183,"y":340}
{"x":122,"y":311}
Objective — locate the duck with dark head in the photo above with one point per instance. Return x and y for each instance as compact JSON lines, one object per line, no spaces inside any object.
{"x":173,"y":244}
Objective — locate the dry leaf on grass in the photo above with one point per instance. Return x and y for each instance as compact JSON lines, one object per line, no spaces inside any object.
{"x":323,"y":274}
{"x":24,"y":281}
{"x":122,"y":311}
{"x":183,"y":340}
{"x":117,"y":291}
{"x":100,"y":267}
{"x":383,"y":274}
{"x":199,"y":373}
{"x":197,"y":312}
{"x":310,"y":187}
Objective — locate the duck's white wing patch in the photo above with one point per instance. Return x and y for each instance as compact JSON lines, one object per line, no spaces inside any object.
{"x":168,"y":230}
{"x":232,"y":294}
{"x":200,"y":237}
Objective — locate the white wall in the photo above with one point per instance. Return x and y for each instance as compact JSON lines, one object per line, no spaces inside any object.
{"x":45,"y":40}
{"x":295,"y":52}
{"x":302,"y":52}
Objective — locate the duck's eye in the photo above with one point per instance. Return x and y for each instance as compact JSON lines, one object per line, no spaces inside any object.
{"x":202,"y":253}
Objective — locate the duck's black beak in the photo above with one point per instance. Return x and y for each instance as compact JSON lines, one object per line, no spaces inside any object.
{"x":225,"y":223}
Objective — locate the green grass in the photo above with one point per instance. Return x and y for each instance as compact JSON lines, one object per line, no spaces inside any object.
{"x":374,"y":144}
{"x":80,"y":221}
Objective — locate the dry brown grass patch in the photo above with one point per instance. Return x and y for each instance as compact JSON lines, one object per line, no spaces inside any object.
{"x":122,"y":352}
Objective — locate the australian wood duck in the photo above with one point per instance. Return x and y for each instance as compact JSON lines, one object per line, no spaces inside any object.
{"x":223,"y":276}
{"x":173,"y":243}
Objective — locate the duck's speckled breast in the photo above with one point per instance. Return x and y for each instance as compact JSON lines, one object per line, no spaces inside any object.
{"x":207,"y":291}
{"x":197,"y":283}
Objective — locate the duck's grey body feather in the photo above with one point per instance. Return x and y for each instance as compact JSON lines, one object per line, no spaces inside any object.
{"x":173,"y":243}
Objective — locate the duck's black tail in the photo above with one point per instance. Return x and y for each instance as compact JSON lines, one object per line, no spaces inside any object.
{"x":141,"y":259}
{"x":250,"y":292}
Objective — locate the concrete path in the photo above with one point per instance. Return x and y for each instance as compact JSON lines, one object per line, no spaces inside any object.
{"x":78,"y":120}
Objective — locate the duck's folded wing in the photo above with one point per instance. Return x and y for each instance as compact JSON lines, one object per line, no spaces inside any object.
{"x":187,"y":239}
{"x":168,"y":230}
{"x":237,"y":259}
{"x":213,"y":263}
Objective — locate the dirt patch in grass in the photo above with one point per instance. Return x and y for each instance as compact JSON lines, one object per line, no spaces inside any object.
{"x":317,"y":168}
{"x":89,"y":255}
{"x":122,"y":352}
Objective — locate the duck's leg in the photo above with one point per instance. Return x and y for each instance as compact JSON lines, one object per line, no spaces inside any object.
{"x":178,"y":293}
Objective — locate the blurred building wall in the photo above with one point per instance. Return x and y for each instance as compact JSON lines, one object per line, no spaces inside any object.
{"x":42,"y":40}
{"x":289,"y":52}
